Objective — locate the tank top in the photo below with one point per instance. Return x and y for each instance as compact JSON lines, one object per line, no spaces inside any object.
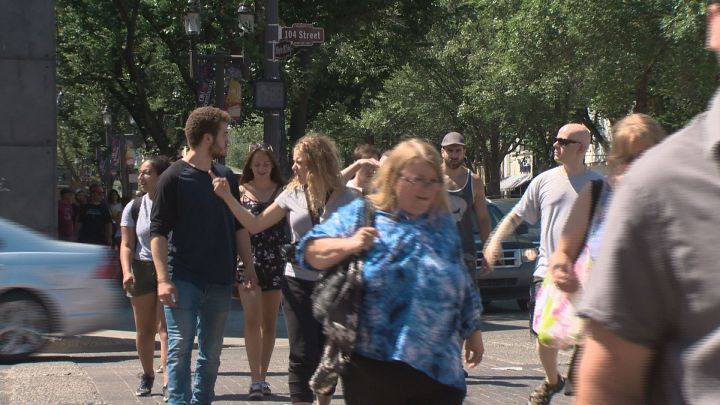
{"x":461,"y":204}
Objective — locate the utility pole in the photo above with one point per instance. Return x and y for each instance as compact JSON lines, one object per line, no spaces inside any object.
{"x":272,"y":123}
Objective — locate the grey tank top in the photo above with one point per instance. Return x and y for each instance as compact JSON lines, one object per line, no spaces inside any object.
{"x":461,"y":204}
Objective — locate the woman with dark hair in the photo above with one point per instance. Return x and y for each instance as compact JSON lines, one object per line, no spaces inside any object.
{"x":259,"y":290}
{"x":139,"y":278}
{"x":315,"y":192}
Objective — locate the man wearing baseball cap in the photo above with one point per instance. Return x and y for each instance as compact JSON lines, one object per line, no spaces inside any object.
{"x":467,"y":195}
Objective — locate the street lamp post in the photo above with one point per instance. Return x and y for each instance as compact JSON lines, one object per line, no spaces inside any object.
{"x":107,"y":121}
{"x":193,"y":26}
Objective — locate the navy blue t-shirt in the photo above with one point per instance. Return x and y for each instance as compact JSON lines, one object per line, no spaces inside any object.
{"x":201,"y":248}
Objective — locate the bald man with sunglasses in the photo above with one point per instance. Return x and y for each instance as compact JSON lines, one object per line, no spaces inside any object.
{"x":549,"y":199}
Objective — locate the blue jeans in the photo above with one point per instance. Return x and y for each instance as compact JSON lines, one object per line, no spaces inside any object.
{"x":201,"y":310}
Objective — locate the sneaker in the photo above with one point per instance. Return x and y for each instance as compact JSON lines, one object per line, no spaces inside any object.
{"x":544,"y":392}
{"x":569,"y":391}
{"x":266,"y":389}
{"x":165,"y":393}
{"x":256,"y":391}
{"x":145,"y":387}
{"x":159,"y":369}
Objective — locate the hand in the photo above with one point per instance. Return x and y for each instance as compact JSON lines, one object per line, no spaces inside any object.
{"x":564,"y":277}
{"x":220,"y":186}
{"x":128,"y":282}
{"x":167,"y":293}
{"x":474,"y":349}
{"x":371,"y":162}
{"x":363,"y":239}
{"x":484,"y":268}
{"x":492,"y":253}
{"x":250,"y":279}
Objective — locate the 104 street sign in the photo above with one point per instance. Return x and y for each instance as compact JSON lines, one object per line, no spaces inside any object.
{"x":301,"y":34}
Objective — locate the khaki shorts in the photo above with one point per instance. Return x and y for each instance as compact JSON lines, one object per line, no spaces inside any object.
{"x":145,"y":278}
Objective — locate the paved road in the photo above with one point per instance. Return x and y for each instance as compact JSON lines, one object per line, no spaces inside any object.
{"x":102,"y":368}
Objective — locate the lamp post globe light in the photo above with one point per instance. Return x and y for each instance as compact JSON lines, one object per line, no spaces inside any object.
{"x":246,"y":19}
{"x":192,"y":18}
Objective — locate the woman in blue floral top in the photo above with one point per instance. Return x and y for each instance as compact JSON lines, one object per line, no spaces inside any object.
{"x":418,"y":301}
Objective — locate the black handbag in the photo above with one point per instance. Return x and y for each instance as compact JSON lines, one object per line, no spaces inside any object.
{"x":336,"y":304}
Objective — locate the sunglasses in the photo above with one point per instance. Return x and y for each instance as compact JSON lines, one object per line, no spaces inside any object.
{"x":255,"y":146}
{"x":565,"y":141}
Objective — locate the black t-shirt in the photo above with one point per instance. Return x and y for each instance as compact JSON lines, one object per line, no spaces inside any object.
{"x":201,"y":248}
{"x":93,"y":220}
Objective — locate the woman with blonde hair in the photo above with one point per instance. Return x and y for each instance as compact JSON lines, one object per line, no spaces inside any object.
{"x":315,"y":192}
{"x":579,"y":244}
{"x":417,"y":296}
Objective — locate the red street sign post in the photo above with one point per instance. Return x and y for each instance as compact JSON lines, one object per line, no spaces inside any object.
{"x":282,"y":49}
{"x":301,"y":34}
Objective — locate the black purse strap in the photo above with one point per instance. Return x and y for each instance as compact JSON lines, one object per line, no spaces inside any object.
{"x":315,"y":217}
{"x":596,"y":189}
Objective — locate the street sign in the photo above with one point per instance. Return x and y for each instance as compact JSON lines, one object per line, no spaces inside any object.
{"x":283,"y":49}
{"x":301,"y":34}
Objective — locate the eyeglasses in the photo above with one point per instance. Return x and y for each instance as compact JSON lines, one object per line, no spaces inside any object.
{"x":416,"y":181}
{"x":565,"y":141}
{"x":255,"y":146}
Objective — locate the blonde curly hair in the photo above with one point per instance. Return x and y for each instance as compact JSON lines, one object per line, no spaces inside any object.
{"x":323,"y":169}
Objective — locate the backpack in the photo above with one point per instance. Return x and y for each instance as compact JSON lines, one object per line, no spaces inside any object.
{"x":135,"y":213}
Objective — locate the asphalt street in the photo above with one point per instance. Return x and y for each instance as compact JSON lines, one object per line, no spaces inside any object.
{"x":102,"y":368}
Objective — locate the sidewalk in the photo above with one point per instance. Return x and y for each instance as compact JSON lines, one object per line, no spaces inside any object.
{"x":110,"y":378}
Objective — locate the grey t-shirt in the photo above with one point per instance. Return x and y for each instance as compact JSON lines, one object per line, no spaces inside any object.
{"x":549,"y":198}
{"x":142,"y":227}
{"x":293,"y":201}
{"x":656,"y":282}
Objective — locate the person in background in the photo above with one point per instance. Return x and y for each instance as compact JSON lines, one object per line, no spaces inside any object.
{"x":95,"y":222}
{"x":79,"y":202}
{"x":259,"y":290}
{"x":139,"y":276}
{"x":116,"y":209}
{"x":652,"y":300}
{"x":315,"y":192}
{"x":66,"y":222}
{"x":417,"y":296}
{"x":548,"y":199}
{"x":631,"y":137}
{"x":359,"y":174}
{"x":466,"y":192}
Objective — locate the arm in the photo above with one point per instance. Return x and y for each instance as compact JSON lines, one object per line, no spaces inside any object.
{"x":347,"y":173}
{"x":167,"y":294}
{"x":325,"y":253}
{"x":109,"y":233}
{"x":127,"y":245}
{"x":561,"y":262}
{"x":484,"y":223}
{"x":254,"y":224}
{"x":493,"y":249}
{"x":612,"y":370}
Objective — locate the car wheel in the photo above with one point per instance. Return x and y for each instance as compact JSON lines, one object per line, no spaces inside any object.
{"x":523,"y":304}
{"x":23,"y":321}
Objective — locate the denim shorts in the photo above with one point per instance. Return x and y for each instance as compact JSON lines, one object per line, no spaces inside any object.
{"x":145,"y":278}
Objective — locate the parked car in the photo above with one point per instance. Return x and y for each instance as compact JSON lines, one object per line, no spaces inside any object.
{"x":52,"y":287}
{"x":512,"y":276}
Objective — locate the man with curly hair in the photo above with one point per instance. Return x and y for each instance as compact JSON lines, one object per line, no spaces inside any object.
{"x":195,"y":240}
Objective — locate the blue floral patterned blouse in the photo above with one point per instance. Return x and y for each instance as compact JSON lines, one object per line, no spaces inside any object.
{"x":418,"y":299}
